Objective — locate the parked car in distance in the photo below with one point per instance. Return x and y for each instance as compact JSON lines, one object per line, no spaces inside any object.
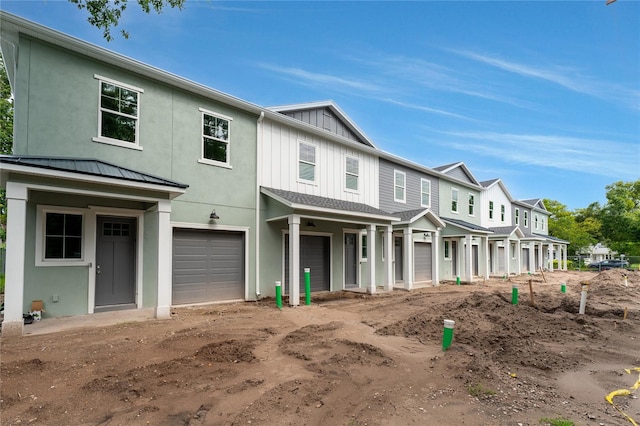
{"x":609,"y":264}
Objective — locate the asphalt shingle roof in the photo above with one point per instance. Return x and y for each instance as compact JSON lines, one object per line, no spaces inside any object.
{"x":467,"y":225}
{"x":327,"y":203}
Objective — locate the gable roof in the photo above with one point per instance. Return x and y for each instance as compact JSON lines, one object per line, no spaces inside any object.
{"x":334,"y":108}
{"x":459,"y":167}
{"x":486,"y":184}
{"x":88,"y":167}
{"x":535,"y":202}
{"x":297,"y":200}
{"x":466,"y":225}
{"x":507,"y":230}
{"x":410,"y":216}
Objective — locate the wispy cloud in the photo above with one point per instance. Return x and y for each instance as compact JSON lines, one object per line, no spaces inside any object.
{"x":322,"y":80}
{"x":560,"y":152}
{"x":569,"y":78}
{"x":429,"y":110}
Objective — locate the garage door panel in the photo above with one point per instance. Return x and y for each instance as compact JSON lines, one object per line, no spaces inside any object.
{"x":314,"y":254}
{"x":207,"y":266}
{"x":422,"y":261}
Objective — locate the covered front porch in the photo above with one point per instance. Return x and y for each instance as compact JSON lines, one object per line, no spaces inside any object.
{"x":345,"y":245}
{"x":85,"y":236}
{"x":465,"y":249}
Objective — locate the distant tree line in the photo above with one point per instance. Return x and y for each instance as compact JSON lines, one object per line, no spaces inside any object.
{"x":615,"y":224}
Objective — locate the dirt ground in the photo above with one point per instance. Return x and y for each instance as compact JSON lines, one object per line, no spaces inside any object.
{"x":348,"y":359}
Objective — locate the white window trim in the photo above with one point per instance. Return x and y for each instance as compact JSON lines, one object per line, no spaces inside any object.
{"x":208,"y":161}
{"x":346,"y":172}
{"x":471,"y":206}
{"x":457,"y":200}
{"x":517,"y":216}
{"x":362,"y":235}
{"x":315,"y":164}
{"x":422,"y":191}
{"x":404,"y":187}
{"x":491,"y":210}
{"x":42,"y":210}
{"x":116,"y":142}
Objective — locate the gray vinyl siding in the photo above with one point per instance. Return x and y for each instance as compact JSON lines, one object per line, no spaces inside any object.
{"x":324,"y":118}
{"x":413,"y":196}
{"x":459,"y":173}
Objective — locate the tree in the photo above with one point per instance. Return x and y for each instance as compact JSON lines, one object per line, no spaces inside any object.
{"x":621,"y":217}
{"x":6,"y":138}
{"x":563,"y":224}
{"x":105,"y":14}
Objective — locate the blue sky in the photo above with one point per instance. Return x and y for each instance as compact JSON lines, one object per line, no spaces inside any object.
{"x":544,"y":94}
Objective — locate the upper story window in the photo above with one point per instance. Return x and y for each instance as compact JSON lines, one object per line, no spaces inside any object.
{"x":119,"y":113}
{"x":491,"y":210}
{"x":517,"y":216}
{"x":400,"y":186}
{"x":352,"y":173}
{"x":526,"y":219}
{"x":454,"y":200}
{"x":306,"y":162}
{"x":62,"y":236}
{"x":471,"y":205}
{"x":535,"y":221}
{"x":425,"y":192}
{"x":216,"y":138}
{"x":502,"y":212}
{"x":446,"y":249}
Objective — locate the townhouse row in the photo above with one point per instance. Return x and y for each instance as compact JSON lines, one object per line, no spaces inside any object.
{"x":132,"y":188}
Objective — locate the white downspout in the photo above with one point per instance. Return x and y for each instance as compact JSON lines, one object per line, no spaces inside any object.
{"x":259,"y":130}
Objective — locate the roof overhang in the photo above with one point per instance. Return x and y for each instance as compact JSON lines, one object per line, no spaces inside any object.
{"x":297,"y":206}
{"x":30,"y":170}
{"x":429,"y":214}
{"x":474,"y":229}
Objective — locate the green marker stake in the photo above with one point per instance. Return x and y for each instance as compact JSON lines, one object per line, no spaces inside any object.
{"x":458,"y":280}
{"x":563,"y":287}
{"x":447,"y":334}
{"x":307,"y":286}
{"x":279,"y":295}
{"x":514,"y":294}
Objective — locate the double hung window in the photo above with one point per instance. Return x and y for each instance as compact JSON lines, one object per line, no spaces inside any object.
{"x":425,"y":193}
{"x":119,"y":113}
{"x":454,"y":200}
{"x":216,"y":138}
{"x":400,"y":186}
{"x":306,"y":162}
{"x":352,"y":173}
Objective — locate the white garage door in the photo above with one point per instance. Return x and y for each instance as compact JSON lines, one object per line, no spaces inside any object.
{"x":208,"y":266}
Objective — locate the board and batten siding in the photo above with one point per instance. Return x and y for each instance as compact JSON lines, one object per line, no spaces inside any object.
{"x":279,"y":168}
{"x":324,"y":118}
{"x":413,"y":188}
{"x":497,"y":195}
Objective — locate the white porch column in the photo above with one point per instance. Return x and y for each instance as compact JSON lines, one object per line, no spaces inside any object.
{"x":468,"y":263}
{"x":388,"y":256}
{"x":461,"y":264}
{"x":486,"y":256}
{"x":294,"y":260}
{"x":532,"y":256}
{"x":371,"y":255}
{"x":518,"y":257}
{"x":13,"y":323}
{"x":165,"y":265}
{"x":507,"y":254}
{"x":435,"y":258}
{"x":408,"y":258}
{"x":541,"y":256}
{"x":564,"y":257}
{"x":551,"y":251}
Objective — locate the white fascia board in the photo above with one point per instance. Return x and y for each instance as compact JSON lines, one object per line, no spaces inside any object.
{"x":433,"y":218}
{"x":79,"y":177}
{"x":473,"y":231}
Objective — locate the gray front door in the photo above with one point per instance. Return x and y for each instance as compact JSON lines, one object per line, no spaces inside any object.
{"x":350,"y":260}
{"x":476,"y":260}
{"x":115,"y":261}
{"x":454,"y":258}
{"x":397,"y":246}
